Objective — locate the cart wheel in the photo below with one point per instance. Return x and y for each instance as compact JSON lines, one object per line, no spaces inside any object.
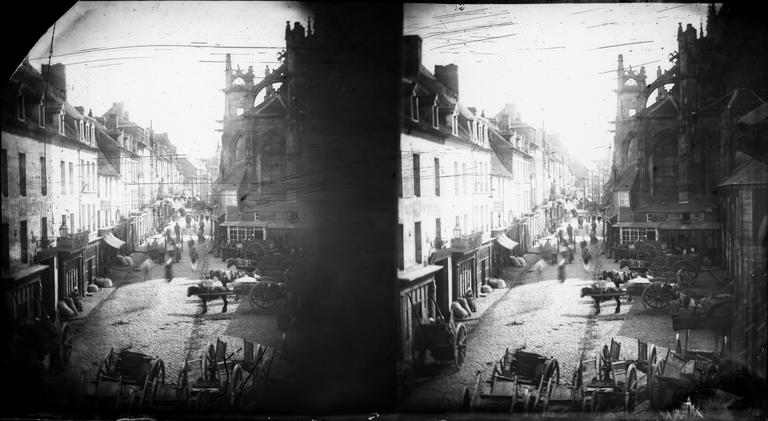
{"x":260,"y":297}
{"x":236,"y":385}
{"x":653,"y":385}
{"x":547,"y":383}
{"x":460,"y":345}
{"x":63,"y":352}
{"x":601,"y":362}
{"x":577,"y":392}
{"x":155,"y":378}
{"x":630,"y":389}
{"x":654,"y":298}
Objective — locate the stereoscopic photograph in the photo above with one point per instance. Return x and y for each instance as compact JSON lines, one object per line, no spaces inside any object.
{"x":281,"y":210}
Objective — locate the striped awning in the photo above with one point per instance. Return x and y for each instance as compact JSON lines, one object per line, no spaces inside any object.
{"x":113,"y":241}
{"x":506,"y":242}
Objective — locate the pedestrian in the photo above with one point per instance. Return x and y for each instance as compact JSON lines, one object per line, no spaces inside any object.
{"x":561,"y":270}
{"x":169,"y":270}
{"x":570,"y":233}
{"x":146,"y":266}
{"x":177,"y":228}
{"x":586,"y":256}
{"x":594,"y":227}
{"x":539,"y":266}
{"x":193,"y":257}
{"x":177,"y":252}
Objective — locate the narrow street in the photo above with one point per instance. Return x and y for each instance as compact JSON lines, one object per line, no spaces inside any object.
{"x":157,"y":318}
{"x":547,"y":318}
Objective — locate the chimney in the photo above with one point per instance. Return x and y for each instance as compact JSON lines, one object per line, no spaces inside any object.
{"x":411,"y":56}
{"x":57,"y":78}
{"x":448,"y":75}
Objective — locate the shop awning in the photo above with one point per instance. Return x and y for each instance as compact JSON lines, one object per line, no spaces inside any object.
{"x":506,"y":242}
{"x":637,"y":224}
{"x":113,"y":241}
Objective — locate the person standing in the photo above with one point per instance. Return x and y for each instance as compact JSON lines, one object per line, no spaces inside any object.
{"x":169,"y":270}
{"x":570,"y":234}
{"x":146,"y":267}
{"x":539,"y":266}
{"x":177,"y":228}
{"x":561,"y":270}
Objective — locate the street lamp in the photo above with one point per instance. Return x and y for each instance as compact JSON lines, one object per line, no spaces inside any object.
{"x":63,"y":230}
{"x":457,"y":231}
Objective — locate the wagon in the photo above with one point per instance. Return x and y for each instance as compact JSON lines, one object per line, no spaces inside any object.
{"x":211,"y":380}
{"x":446,"y":341}
{"x":520,"y":382}
{"x":613,"y":382}
{"x":132,"y":377}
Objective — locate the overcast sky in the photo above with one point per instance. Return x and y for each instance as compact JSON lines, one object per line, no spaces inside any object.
{"x":164,"y":60}
{"x":556,"y":61}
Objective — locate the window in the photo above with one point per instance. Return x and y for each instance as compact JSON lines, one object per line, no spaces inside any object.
{"x":416,"y":176}
{"x":24,"y":242}
{"x":71,"y":178}
{"x":20,"y":112}
{"x":455,"y":123}
{"x":22,"y":174}
{"x":400,"y":245}
{"x":41,"y":112}
{"x":417,"y":240}
{"x":456,"y":178}
{"x":4,"y":158}
{"x":629,"y":235}
{"x":81,"y":130}
{"x":62,"y":166}
{"x":62,"y":128}
{"x":44,"y":230}
{"x":437,"y":176}
{"x":414,"y":106}
{"x":435,"y":114}
{"x":6,"y":239}
{"x":43,"y":177}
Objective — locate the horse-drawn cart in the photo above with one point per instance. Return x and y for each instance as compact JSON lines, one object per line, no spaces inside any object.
{"x":130,"y":378}
{"x":613,"y":382}
{"x":520,"y":382}
{"x":446,"y":341}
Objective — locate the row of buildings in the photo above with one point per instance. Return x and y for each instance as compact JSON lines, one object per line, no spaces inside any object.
{"x":77,"y":189}
{"x":689,"y":161}
{"x":472,"y":189}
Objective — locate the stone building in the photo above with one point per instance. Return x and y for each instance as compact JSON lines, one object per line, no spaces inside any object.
{"x":260,"y":148}
{"x":689,"y":166}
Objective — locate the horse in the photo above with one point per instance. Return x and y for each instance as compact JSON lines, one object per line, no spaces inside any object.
{"x":598,"y":293}
{"x":207,"y":294}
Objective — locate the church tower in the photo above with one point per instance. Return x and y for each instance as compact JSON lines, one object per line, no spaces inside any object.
{"x":630,"y":99}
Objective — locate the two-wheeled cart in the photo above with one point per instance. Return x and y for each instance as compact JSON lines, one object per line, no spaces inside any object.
{"x":130,"y":378}
{"x":446,"y":341}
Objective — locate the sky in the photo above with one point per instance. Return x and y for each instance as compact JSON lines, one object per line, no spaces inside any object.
{"x":164,"y":60}
{"x":557,"y":62}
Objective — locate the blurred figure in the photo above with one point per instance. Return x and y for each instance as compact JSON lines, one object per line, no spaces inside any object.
{"x":539,"y":266}
{"x":169,"y":270}
{"x":146,"y":267}
{"x":561,"y":270}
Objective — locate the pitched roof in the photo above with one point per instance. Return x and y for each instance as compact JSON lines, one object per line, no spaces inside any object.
{"x":756,"y":116}
{"x":738,"y":99}
{"x":626,"y":179}
{"x":497,"y":168}
{"x":752,"y":172}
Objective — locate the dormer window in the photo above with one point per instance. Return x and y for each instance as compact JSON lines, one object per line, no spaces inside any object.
{"x":455,"y":123}
{"x":62,"y":129}
{"x":414,"y":106}
{"x":93,"y":133}
{"x":435,"y":116}
{"x":41,"y":112}
{"x":20,"y":112}
{"x":81,"y":130}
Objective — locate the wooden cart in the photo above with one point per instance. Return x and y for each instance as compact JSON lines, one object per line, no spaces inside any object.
{"x":613,"y":382}
{"x":131,"y":377}
{"x":520,"y":382}
{"x":446,"y":341}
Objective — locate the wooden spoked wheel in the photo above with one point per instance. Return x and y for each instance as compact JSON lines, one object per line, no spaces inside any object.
{"x":577,"y":391}
{"x":64,"y":349}
{"x":260,"y":296}
{"x":182,"y":383}
{"x":655,"y":298}
{"x":630,"y":389}
{"x":235,"y":384}
{"x":547,"y":384}
{"x":459,"y":345}
{"x":152,"y":383}
{"x":654,"y":383}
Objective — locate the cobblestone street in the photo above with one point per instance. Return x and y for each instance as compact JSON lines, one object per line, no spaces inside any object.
{"x":547,"y":318}
{"x":157,"y":318}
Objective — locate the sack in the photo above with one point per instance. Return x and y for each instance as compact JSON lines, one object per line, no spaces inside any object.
{"x":465,"y":305}
{"x":486,"y":289}
{"x":515,"y":262}
{"x":92,"y":288}
{"x":64,"y":310}
{"x":458,"y":311}
{"x":71,"y":304}
{"x":472,"y":304}
{"x":78,"y":302}
{"x":129,"y":261}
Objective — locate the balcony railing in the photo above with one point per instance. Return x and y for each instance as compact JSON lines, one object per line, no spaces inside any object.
{"x":73,"y":241}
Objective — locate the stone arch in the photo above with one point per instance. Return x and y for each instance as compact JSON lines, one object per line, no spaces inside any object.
{"x":662,"y":162}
